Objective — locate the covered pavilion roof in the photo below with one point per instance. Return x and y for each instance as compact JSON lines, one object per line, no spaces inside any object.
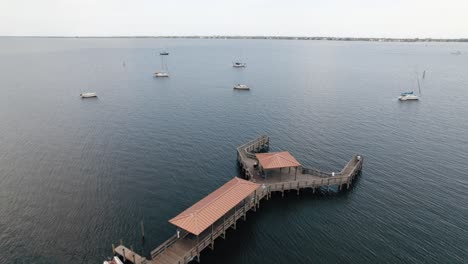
{"x":277,"y":160}
{"x":208,"y":210}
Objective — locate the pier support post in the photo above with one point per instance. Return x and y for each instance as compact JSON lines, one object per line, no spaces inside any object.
{"x":198,"y":249}
{"x":212,"y":240}
{"x":244,"y":213}
{"x":223,"y":235}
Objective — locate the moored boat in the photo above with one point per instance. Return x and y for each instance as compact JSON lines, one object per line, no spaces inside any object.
{"x":408,"y":96}
{"x":161,"y":74}
{"x":241,"y":87}
{"x":88,"y":95}
{"x":239,"y":64}
{"x":164,"y":72}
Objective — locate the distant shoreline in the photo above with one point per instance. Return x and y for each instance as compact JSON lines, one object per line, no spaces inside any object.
{"x":265,"y":37}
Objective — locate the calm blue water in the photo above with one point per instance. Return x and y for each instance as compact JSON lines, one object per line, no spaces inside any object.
{"x":78,"y":175}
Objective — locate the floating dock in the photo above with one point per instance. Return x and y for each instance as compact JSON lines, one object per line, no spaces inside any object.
{"x":263,"y":173}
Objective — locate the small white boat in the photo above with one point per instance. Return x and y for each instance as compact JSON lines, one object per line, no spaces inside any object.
{"x":88,"y":95}
{"x":408,"y":96}
{"x":241,"y":87}
{"x":117,"y":260}
{"x":239,"y":64}
{"x":114,"y":260}
{"x":161,"y":74}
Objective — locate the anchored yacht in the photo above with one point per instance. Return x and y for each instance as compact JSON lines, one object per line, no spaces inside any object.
{"x":88,"y":95}
{"x":239,"y":64}
{"x":241,"y":87}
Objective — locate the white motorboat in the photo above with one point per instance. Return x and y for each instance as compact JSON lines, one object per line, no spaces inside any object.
{"x":161,"y":74}
{"x":117,"y":260}
{"x":88,"y":95}
{"x":241,"y":87}
{"x":408,"y":96}
{"x":239,"y":64}
{"x":114,"y":260}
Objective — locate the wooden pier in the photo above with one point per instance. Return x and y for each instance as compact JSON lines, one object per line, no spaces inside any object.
{"x":264,"y":173}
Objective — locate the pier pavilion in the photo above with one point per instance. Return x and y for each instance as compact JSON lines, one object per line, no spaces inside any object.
{"x":268,"y":163}
{"x":199,"y":225}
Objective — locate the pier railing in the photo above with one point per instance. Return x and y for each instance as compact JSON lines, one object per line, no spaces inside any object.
{"x":246,"y":153}
{"x":319,"y":173}
{"x":297,"y":185}
{"x":349,"y":166}
{"x":250,"y":147}
{"x":344,"y":177}
{"x":167,"y":244}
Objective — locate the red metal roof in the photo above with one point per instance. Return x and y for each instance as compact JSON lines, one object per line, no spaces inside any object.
{"x":208,"y":210}
{"x":276,"y":160}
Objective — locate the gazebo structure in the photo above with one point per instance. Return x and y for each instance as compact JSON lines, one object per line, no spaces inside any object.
{"x":277,"y":160}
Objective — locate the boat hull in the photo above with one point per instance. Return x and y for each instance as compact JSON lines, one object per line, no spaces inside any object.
{"x":241,"y":87}
{"x":408,"y":98}
{"x":88,"y":95}
{"x":161,"y":74}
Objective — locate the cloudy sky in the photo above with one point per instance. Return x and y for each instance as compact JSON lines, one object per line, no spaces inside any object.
{"x":354,"y":18}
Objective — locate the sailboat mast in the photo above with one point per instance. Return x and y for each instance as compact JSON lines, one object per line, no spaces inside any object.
{"x":419,"y":85}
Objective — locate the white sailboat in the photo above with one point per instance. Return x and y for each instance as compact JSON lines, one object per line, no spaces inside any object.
{"x":241,"y":87}
{"x":238,"y":64}
{"x":88,"y":95}
{"x":410,"y":95}
{"x":164,"y":72}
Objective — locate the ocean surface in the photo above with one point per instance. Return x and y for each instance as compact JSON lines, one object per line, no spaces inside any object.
{"x":78,"y":175}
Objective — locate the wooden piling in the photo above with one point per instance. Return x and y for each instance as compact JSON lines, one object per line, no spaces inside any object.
{"x":142,"y":230}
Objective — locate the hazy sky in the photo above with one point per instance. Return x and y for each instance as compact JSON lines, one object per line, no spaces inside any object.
{"x":364,"y":18}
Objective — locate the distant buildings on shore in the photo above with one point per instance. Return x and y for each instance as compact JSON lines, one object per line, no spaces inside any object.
{"x":327,"y":38}
{"x":272,"y":37}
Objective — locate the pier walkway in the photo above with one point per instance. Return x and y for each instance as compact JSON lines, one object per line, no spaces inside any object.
{"x":264,"y":173}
